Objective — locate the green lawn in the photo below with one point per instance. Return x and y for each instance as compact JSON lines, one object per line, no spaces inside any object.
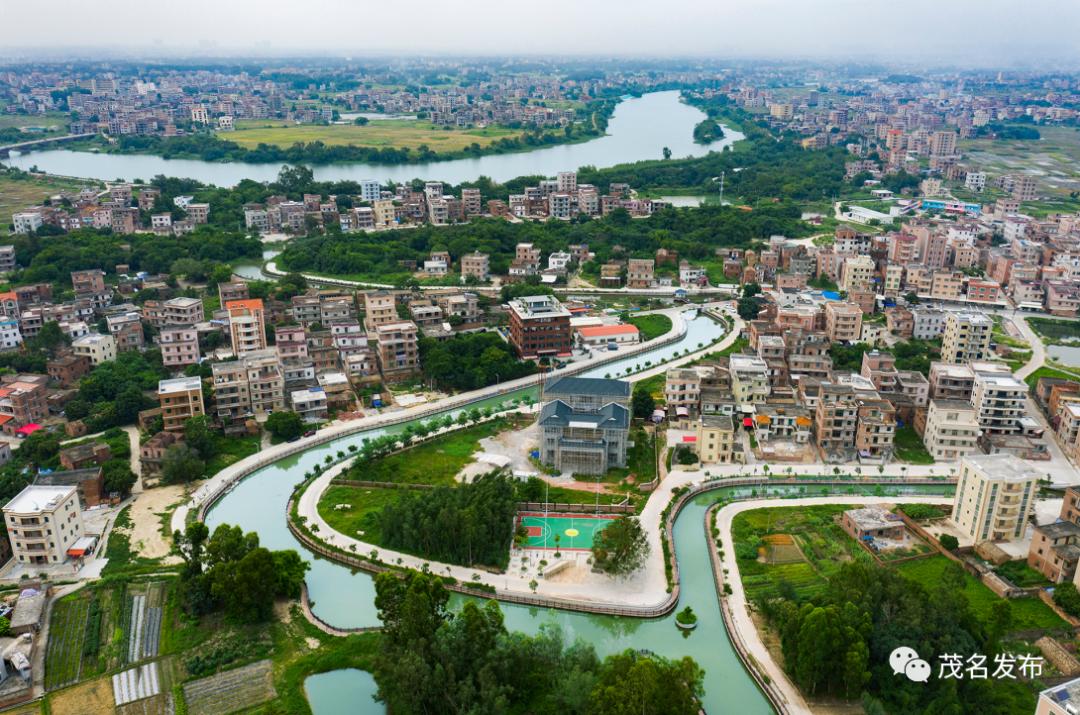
{"x":823,"y":544}
{"x":739,"y":344}
{"x":651,"y":326}
{"x":654,"y":386}
{"x":910,"y":448}
{"x":1028,"y":613}
{"x":362,"y":502}
{"x":433,"y":462}
{"x":230,"y":450}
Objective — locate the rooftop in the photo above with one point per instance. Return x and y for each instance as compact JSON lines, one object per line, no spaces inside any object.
{"x":873,"y":517}
{"x":594,"y":386}
{"x":38,"y":498}
{"x":1005,"y":467}
{"x":179,"y":384}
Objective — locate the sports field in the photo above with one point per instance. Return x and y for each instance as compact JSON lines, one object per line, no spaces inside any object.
{"x":574,"y":532}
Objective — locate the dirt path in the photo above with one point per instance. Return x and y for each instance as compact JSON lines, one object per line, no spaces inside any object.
{"x":146,"y":510}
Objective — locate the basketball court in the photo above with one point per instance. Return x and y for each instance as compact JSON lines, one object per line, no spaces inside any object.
{"x":575,"y":532}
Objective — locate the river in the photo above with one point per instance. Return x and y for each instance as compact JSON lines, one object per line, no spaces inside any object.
{"x":346,"y":598}
{"x":639,"y":129}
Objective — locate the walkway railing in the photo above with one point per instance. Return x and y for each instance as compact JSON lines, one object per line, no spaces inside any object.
{"x":246,"y":468}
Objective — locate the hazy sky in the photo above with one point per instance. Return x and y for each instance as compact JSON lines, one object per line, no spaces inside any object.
{"x":976,"y":32}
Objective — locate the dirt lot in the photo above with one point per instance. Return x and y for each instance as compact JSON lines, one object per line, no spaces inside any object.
{"x":146,"y":536}
{"x":89,"y":698}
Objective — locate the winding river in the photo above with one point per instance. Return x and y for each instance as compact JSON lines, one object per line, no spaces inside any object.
{"x":346,"y":599}
{"x":639,"y":129}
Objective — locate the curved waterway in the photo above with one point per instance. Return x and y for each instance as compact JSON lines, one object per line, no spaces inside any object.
{"x":346,"y":598}
{"x":639,"y":129}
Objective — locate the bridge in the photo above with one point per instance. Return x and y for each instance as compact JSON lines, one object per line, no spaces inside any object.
{"x":5,"y":151}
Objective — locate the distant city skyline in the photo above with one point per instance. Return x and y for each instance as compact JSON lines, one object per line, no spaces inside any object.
{"x":995,"y":33}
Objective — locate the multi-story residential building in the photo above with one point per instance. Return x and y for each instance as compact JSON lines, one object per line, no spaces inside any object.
{"x":949,"y":381}
{"x":1055,"y":550}
{"x":1000,"y":401}
{"x":540,"y":327}
{"x":234,"y":290}
{"x":22,"y":402}
{"x":995,"y":497}
{"x":585,"y":425}
{"x":310,"y":403}
{"x":749,"y":379}
{"x":1024,"y":187}
{"x":180,"y":399}
{"x":380,"y":308}
{"x":476,"y":265}
{"x":252,"y":385}
{"x":179,"y":345}
{"x":247,"y":326}
{"x":398,"y":352}
{"x":716,"y":440}
{"x":880,"y":369}
{"x":835,"y":421}
{"x":7,"y":258}
{"x":975,"y":181}
{"x":857,"y":273}
{"x":96,"y":348}
{"x":967,"y":337}
{"x":43,"y":522}
{"x":10,"y":337}
{"x":843,"y":321}
{"x":952,"y":430}
{"x":89,"y":285}
{"x":26,"y":222}
{"x":875,"y":429}
{"x":682,"y":391}
{"x":927,"y":323}
{"x":640,"y":273}
{"x":126,"y":327}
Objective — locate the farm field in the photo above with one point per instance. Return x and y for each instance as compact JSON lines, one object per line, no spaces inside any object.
{"x":789,"y":548}
{"x":94,"y":697}
{"x":1053,"y":158}
{"x":17,"y":194}
{"x":383,"y":134}
{"x":1028,"y":613}
{"x":53,"y":121}
{"x":232,"y":690}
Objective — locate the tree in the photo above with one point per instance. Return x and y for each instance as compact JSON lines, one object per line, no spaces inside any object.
{"x":949,"y":542}
{"x":199,"y":435}
{"x":643,"y":403}
{"x":285,"y":426}
{"x":667,"y":153}
{"x":49,"y":338}
{"x":621,"y":547}
{"x":118,"y":477}
{"x":748,"y":308}
{"x":181,"y":464}
{"x":1067,"y":596}
{"x":630,"y":683}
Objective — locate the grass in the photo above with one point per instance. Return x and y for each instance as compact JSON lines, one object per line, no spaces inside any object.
{"x":737,"y":346}
{"x":1028,"y":613}
{"x":229,"y":450}
{"x":18,"y":193}
{"x":909,"y":447}
{"x":122,"y":558}
{"x":1033,"y":379}
{"x":363,"y":502}
{"x":654,"y":386}
{"x":1021,"y":574}
{"x":1054,"y":332}
{"x":823,"y":544}
{"x":651,"y":326}
{"x":383,"y":134}
{"x":436,"y":461}
{"x":53,"y":121}
{"x":1055,"y":155}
